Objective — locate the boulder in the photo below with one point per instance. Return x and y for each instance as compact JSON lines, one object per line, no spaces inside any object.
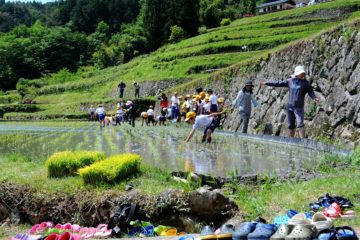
{"x":211,"y":205}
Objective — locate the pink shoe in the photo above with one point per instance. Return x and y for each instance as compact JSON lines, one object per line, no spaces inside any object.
{"x":67,"y":226}
{"x":75,"y":228}
{"x":34,"y":229}
{"x":90,"y":233}
{"x":102,"y":231}
{"x":65,"y":236}
{"x":53,"y":236}
{"x":75,"y":237}
{"x":59,"y":226}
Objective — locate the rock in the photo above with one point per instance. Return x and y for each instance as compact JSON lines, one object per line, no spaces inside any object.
{"x":211,"y":205}
{"x":128,"y":188}
{"x":341,"y":41}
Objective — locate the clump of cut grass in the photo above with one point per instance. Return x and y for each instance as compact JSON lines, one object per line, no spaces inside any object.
{"x":111,"y":170}
{"x":67,"y":163}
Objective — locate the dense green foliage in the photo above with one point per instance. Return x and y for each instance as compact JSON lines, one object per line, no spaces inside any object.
{"x":111,"y":170}
{"x":67,"y":163}
{"x":38,"y":39}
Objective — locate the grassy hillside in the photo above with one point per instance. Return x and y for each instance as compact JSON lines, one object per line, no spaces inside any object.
{"x":191,"y":59}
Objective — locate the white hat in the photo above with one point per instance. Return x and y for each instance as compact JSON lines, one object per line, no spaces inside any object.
{"x":299,"y":70}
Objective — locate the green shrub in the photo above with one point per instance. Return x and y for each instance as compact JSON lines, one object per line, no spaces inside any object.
{"x":111,"y":170}
{"x":225,"y":22}
{"x":177,"y":34}
{"x":67,"y":163}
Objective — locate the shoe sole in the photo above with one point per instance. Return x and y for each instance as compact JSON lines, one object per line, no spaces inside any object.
{"x":208,"y":237}
{"x":225,"y":236}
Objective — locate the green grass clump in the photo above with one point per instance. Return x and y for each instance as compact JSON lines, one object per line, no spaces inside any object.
{"x":111,"y":170}
{"x":67,"y":163}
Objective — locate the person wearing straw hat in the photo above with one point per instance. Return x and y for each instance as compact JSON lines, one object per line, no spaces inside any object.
{"x":298,"y":88}
{"x":243,"y":102}
{"x":206,"y":122}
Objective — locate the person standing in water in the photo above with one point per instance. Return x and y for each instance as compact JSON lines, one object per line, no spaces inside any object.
{"x":100,"y":112}
{"x":298,"y":88}
{"x":243,"y":101}
{"x":132,"y":112}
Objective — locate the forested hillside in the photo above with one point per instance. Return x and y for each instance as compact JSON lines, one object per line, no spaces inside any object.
{"x":38,"y":39}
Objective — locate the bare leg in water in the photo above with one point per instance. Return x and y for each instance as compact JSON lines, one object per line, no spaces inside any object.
{"x":291,"y":132}
{"x":302,"y":132}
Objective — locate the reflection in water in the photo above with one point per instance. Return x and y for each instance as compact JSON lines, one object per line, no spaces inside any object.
{"x":162,"y":147}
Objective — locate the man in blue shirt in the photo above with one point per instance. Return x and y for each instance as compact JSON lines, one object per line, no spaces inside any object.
{"x":298,"y":87}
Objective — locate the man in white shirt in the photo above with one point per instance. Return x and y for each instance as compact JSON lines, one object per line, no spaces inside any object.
{"x":100,"y":112}
{"x":174,"y":106}
{"x":206,"y":122}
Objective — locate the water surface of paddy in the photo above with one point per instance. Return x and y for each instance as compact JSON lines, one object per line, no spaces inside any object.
{"x":162,"y":147}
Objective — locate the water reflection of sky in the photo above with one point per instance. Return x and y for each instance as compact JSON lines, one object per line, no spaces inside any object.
{"x":161,"y":147}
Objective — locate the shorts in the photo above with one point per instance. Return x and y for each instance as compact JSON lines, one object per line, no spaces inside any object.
{"x":162,"y":119}
{"x":295,"y":115}
{"x":213,"y":108}
{"x":101,"y":117}
{"x":213,"y":125}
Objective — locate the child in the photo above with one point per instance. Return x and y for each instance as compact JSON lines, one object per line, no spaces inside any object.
{"x":243,"y":101}
{"x":151,"y":116}
{"x":108,"y":120}
{"x":162,"y":117}
{"x":119,"y":116}
{"x":213,"y":101}
{"x":206,"y":107}
{"x":144,"y":117}
{"x":202,"y":121}
{"x":92,"y":113}
{"x":100,"y":112}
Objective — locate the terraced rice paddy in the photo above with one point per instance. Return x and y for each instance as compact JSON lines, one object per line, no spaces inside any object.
{"x":162,"y":147}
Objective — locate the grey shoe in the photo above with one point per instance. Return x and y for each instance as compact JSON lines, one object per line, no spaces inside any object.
{"x":302,"y":232}
{"x":283,"y":231}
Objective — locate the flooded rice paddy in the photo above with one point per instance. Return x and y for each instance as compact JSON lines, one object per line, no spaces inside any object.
{"x":162,"y":147}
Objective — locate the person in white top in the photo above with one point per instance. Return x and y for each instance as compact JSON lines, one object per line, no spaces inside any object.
{"x":174,"y":106}
{"x":213,"y":101}
{"x":151,"y":116}
{"x":100,"y":112}
{"x":206,"y":122}
{"x":119,"y":115}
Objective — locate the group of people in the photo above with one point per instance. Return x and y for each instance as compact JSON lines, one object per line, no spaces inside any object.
{"x":204,"y":109}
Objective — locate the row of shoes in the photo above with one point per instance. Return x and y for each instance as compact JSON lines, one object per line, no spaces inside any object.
{"x":327,"y":200}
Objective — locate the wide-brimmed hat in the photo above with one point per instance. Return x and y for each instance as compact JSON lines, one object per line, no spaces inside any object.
{"x":299,"y":70}
{"x":189,"y":116}
{"x":249,"y":83}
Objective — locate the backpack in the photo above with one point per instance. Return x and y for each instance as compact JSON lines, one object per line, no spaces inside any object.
{"x":120,"y":221}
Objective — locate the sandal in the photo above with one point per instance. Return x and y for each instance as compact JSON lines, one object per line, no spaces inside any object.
{"x":283,"y":231}
{"x":262,"y":232}
{"x":321,"y":221}
{"x":244,"y":230}
{"x":346,"y":233}
{"x":327,"y":234}
{"x":226,"y":232}
{"x":299,"y":218}
{"x":333,"y":211}
{"x":207,"y":233}
{"x":302,"y":232}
